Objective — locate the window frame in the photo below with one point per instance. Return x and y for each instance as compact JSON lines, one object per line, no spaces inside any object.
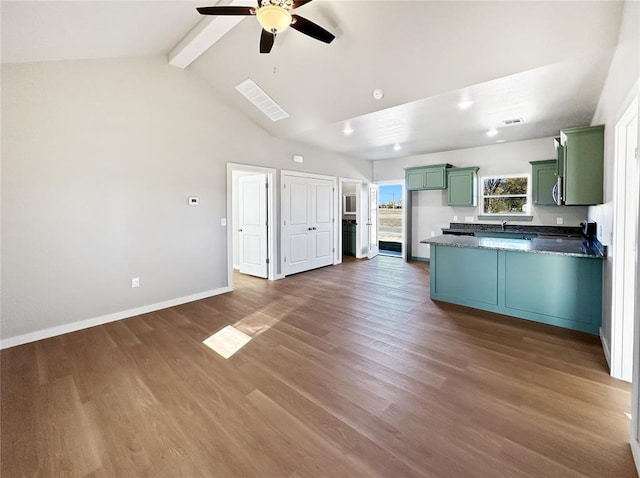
{"x":525,"y":215}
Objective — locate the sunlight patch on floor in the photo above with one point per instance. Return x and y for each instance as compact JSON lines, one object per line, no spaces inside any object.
{"x":256,"y":323}
{"x":232,"y":338}
{"x":227,"y":341}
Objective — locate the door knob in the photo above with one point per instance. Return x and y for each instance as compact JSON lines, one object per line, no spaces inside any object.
{"x":311,"y":229}
{"x":239,"y":230}
{"x":314,"y":228}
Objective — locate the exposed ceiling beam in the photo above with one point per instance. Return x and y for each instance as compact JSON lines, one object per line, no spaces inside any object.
{"x":203,"y":36}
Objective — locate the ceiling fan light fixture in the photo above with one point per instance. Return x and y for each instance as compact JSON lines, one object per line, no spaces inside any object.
{"x":273,"y":18}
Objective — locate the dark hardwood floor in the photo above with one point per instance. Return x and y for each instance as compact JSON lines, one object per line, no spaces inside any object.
{"x":352,"y":372}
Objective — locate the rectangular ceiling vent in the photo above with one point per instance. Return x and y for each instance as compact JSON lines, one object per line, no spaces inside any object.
{"x":261,"y":100}
{"x":510,"y":122}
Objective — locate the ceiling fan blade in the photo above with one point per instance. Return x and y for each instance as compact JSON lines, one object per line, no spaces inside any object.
{"x":226,"y":10}
{"x":266,"y":41}
{"x":309,"y":28}
{"x":299,"y":3}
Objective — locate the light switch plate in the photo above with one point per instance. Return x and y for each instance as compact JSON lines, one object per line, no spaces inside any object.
{"x":223,"y":221}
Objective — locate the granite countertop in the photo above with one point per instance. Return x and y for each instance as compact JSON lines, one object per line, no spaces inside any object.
{"x":567,"y":246}
{"x":468,"y":228}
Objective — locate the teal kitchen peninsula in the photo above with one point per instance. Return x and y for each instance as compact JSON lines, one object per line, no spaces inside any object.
{"x":556,"y":281}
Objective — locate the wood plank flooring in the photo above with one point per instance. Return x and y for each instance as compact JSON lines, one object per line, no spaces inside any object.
{"x":352,"y":372}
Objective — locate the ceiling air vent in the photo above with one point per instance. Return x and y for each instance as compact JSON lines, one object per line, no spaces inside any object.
{"x":510,"y":122}
{"x":261,"y":100}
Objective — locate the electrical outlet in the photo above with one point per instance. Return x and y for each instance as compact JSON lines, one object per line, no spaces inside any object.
{"x":455,"y":218}
{"x":135,"y":282}
{"x":559,"y":221}
{"x":433,"y":234}
{"x":468,"y":219}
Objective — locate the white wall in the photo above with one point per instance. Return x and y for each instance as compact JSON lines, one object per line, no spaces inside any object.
{"x":98,"y":160}
{"x":619,"y":89}
{"x":430,"y":213}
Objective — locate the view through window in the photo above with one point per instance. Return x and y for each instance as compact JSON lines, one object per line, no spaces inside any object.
{"x":390,"y":212}
{"x":505,"y":195}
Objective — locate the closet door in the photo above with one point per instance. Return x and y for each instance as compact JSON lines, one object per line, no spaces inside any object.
{"x":322,"y":218}
{"x":308,"y":224}
{"x":297,"y":224}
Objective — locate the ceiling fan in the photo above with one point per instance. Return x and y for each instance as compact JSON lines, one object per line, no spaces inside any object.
{"x":274,"y":16}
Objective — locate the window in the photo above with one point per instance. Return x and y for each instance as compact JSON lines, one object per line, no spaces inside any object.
{"x":505,"y":195}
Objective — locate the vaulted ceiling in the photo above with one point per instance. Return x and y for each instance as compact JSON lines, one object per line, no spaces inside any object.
{"x":544,"y":62}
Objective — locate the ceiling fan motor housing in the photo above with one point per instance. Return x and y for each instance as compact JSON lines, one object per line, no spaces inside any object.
{"x":287,"y":4}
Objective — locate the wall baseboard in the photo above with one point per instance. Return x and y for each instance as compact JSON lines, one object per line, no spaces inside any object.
{"x":422,"y":259}
{"x":605,"y":347}
{"x":104,"y":319}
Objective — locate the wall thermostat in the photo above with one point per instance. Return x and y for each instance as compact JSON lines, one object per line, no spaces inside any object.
{"x":194,"y":201}
{"x":298,"y":159}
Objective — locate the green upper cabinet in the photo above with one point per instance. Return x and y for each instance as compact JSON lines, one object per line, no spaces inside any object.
{"x":462,"y":190}
{"x":543,"y":174}
{"x":426,"y":177}
{"x":583,"y":167}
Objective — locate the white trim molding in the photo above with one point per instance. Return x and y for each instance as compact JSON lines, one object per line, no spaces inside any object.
{"x":105,"y":319}
{"x":605,"y":348}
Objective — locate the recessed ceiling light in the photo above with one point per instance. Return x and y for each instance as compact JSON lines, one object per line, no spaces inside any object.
{"x":492,"y":132}
{"x":348,"y":131}
{"x":465,"y":104}
{"x":378,"y":94}
{"x":397,"y":147}
{"x":501,"y":140}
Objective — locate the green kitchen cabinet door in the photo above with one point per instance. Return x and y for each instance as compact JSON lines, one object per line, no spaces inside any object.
{"x":462,"y":187}
{"x":543,"y":174}
{"x":414,"y":179}
{"x":435,"y":178}
{"x":583,"y":165}
{"x":466,"y":276}
{"x":426,"y":177}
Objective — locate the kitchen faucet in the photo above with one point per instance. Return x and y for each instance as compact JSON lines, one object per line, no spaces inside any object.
{"x":504,"y":223}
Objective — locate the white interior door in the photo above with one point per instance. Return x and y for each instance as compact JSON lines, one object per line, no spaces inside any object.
{"x":321,"y":240}
{"x":297,"y":224}
{"x":372,"y":221}
{"x":252,"y":225}
{"x":625,"y":261}
{"x":308,"y":223}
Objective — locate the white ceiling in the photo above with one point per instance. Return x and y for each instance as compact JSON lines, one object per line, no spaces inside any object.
{"x":542,"y":61}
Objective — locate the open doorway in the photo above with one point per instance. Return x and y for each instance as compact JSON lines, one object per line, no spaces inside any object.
{"x":351,"y":219}
{"x":391,"y":213}
{"x":250,"y":220}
